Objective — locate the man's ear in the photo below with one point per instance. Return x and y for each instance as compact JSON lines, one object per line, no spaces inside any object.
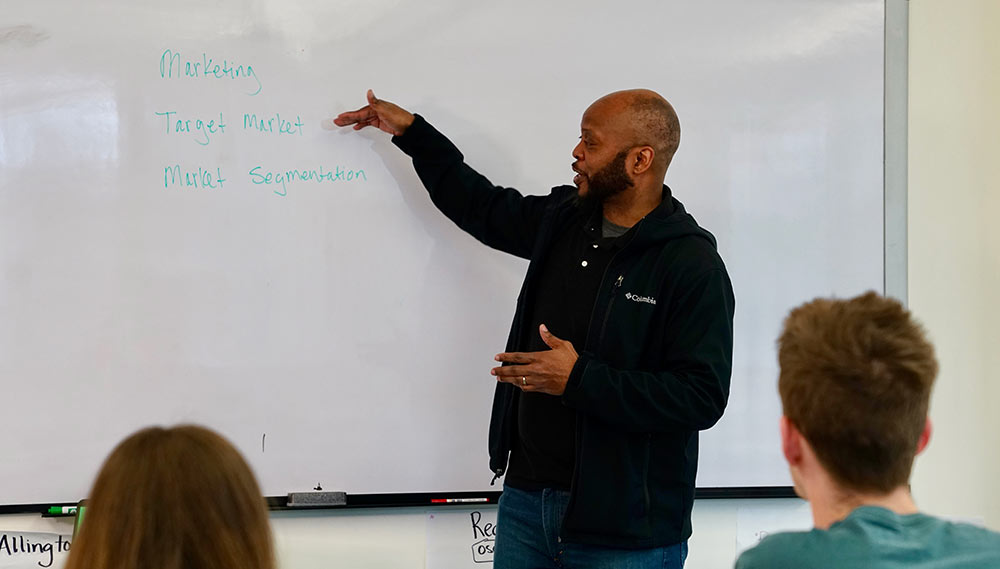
{"x":642,"y":160}
{"x":925,"y":436}
{"x":791,"y":441}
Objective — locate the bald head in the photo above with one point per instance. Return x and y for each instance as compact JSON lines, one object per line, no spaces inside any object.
{"x":643,"y":118}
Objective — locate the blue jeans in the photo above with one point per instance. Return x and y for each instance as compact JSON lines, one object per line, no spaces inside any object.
{"x":527,"y":537}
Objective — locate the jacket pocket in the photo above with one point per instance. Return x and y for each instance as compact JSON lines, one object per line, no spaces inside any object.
{"x":610,"y":494}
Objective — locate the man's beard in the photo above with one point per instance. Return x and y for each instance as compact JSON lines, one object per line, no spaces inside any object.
{"x":607,"y":182}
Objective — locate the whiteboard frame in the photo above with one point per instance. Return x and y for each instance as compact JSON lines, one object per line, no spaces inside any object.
{"x":895,"y":148}
{"x":895,"y":114}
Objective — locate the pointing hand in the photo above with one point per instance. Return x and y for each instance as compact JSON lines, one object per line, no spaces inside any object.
{"x":383,"y":115}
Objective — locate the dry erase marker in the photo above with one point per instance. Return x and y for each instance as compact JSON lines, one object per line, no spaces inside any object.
{"x":61,"y":510}
{"x":458,"y":500}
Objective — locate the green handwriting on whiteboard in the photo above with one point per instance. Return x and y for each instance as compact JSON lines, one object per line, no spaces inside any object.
{"x":173,"y":66}
{"x":272,"y":124}
{"x":202,"y":130}
{"x":202,"y":178}
{"x":282,"y":178}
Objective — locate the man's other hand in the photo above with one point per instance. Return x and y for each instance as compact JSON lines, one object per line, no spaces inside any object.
{"x":544,"y":372}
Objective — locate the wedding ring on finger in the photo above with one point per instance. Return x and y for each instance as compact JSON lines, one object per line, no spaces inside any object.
{"x":524,"y":381}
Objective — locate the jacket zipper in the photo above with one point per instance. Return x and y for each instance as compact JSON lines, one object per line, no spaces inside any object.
{"x":600,"y":338}
{"x":607,"y":313}
{"x":645,"y":473}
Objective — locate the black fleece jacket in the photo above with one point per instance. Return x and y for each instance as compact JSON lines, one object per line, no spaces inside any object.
{"x":656,"y":365}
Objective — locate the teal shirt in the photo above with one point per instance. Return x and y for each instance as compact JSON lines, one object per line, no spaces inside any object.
{"x":876,"y":538}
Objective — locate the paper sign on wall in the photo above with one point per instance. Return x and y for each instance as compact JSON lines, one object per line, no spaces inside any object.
{"x":461,"y":538}
{"x":30,"y":550}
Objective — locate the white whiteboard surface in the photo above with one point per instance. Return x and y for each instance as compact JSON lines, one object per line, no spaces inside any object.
{"x":342,"y":334}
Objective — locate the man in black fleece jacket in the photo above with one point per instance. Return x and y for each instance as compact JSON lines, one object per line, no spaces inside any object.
{"x":621,"y":346}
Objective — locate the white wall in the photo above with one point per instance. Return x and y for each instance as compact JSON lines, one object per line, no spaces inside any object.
{"x":954,"y":279}
{"x":954,"y":246}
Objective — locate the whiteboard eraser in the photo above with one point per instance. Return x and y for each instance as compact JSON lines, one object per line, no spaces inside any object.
{"x":316,"y":499}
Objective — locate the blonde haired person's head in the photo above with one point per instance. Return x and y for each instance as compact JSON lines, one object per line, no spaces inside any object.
{"x":174,"y":498}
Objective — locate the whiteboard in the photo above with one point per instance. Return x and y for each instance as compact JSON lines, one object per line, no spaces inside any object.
{"x":339,"y":329}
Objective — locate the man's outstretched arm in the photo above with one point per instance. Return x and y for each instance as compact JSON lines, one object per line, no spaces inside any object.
{"x":499,"y":217}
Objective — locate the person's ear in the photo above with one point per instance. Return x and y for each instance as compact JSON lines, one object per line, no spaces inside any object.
{"x":791,"y":441}
{"x":642,"y":160}
{"x":925,"y":436}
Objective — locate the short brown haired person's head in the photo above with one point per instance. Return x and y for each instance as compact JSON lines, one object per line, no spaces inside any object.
{"x":855,"y":381}
{"x":178,"y":498}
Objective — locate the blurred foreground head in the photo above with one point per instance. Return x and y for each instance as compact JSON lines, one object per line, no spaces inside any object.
{"x":174,"y":498}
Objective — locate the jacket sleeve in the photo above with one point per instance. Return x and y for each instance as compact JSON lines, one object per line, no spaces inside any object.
{"x":690,"y":392}
{"x":499,"y":217}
